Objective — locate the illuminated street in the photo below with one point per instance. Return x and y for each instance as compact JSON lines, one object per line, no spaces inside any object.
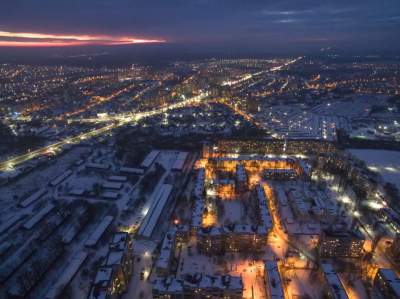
{"x":200,"y":149}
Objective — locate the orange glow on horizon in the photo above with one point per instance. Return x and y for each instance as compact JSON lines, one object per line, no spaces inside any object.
{"x":40,"y":44}
{"x":27,"y":39}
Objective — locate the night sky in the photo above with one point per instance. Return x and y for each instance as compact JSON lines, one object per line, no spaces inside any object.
{"x":241,"y":24}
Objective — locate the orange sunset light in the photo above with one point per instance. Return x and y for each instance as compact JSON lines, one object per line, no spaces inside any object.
{"x":29,"y":39}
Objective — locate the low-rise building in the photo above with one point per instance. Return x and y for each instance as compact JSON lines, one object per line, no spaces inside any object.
{"x":113,"y":276}
{"x":394,"y":249}
{"x":280,"y":174}
{"x":387,"y":282}
{"x":241,"y":179}
{"x":273,"y":281}
{"x":107,"y":284}
{"x":199,"y":286}
{"x":165,"y":260}
{"x":335,"y":287}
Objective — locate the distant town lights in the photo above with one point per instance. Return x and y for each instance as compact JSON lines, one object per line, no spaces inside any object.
{"x":345,"y":199}
{"x":375,"y":205}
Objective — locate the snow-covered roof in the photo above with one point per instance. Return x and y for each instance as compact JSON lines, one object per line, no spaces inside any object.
{"x":273,"y":280}
{"x":131,"y":170}
{"x":104,"y":274}
{"x":67,"y":275}
{"x":114,"y":257}
{"x":38,"y":216}
{"x":159,"y":200}
{"x":110,"y":195}
{"x":172,"y":285}
{"x":117,"y":178}
{"x":252,"y":158}
{"x":199,"y":183}
{"x":150,"y":158}
{"x":392,"y":279}
{"x":97,"y":166}
{"x":241,"y":173}
{"x":120,"y":241}
{"x":180,"y":161}
{"x":61,"y":178}
{"x":225,"y":282}
{"x":197,"y":213}
{"x":167,"y":249}
{"x":34,"y":197}
{"x":289,"y":171}
{"x":298,"y":203}
{"x":101,"y":228}
{"x":264,"y":210}
{"x":112,"y":185}
{"x":10,"y":222}
{"x":168,"y":285}
{"x":333,"y":280}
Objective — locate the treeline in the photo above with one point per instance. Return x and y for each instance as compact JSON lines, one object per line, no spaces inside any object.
{"x":347,"y":142}
{"x":17,"y":143}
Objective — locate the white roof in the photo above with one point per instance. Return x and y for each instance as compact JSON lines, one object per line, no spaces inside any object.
{"x":241,"y":173}
{"x":392,"y":279}
{"x":10,"y":222}
{"x":264,"y":210}
{"x":180,"y":161}
{"x":114,"y":258}
{"x":333,"y":280}
{"x":61,"y":178}
{"x":101,"y":228}
{"x":131,"y":170}
{"x":160,"y":198}
{"x":112,"y":185}
{"x":97,"y":165}
{"x":273,"y":280}
{"x":199,"y":183}
{"x":110,"y":195}
{"x":38,"y":216}
{"x":117,"y":178}
{"x":197,"y":215}
{"x":150,"y":158}
{"x":166,"y":251}
{"x":67,"y":275}
{"x":34,"y":197}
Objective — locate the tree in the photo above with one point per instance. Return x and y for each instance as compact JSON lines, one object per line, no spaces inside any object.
{"x":96,"y":189}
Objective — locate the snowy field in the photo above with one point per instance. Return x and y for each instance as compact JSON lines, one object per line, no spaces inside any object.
{"x":387,"y":163}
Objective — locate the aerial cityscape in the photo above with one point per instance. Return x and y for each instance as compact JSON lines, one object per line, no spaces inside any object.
{"x":200,"y":149}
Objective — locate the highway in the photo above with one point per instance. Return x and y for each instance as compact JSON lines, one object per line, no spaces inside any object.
{"x":247,"y":77}
{"x":9,"y":164}
{"x":123,"y":119}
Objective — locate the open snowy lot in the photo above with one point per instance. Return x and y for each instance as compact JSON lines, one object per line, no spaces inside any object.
{"x":387,"y":163}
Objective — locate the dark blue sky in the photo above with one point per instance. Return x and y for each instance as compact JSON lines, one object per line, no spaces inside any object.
{"x":269,"y":24}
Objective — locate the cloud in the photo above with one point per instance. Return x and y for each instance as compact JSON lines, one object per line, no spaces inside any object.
{"x":29,"y":39}
{"x":284,"y":12}
{"x":288,"y":21}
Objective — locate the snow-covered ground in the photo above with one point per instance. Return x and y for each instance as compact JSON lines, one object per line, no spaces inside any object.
{"x":386,"y":163}
{"x":302,"y":284}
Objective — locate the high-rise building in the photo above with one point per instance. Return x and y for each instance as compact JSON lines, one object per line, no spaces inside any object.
{"x":341,"y":244}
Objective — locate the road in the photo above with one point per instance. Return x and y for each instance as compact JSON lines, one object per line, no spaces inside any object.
{"x":123,"y":119}
{"x":9,"y":164}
